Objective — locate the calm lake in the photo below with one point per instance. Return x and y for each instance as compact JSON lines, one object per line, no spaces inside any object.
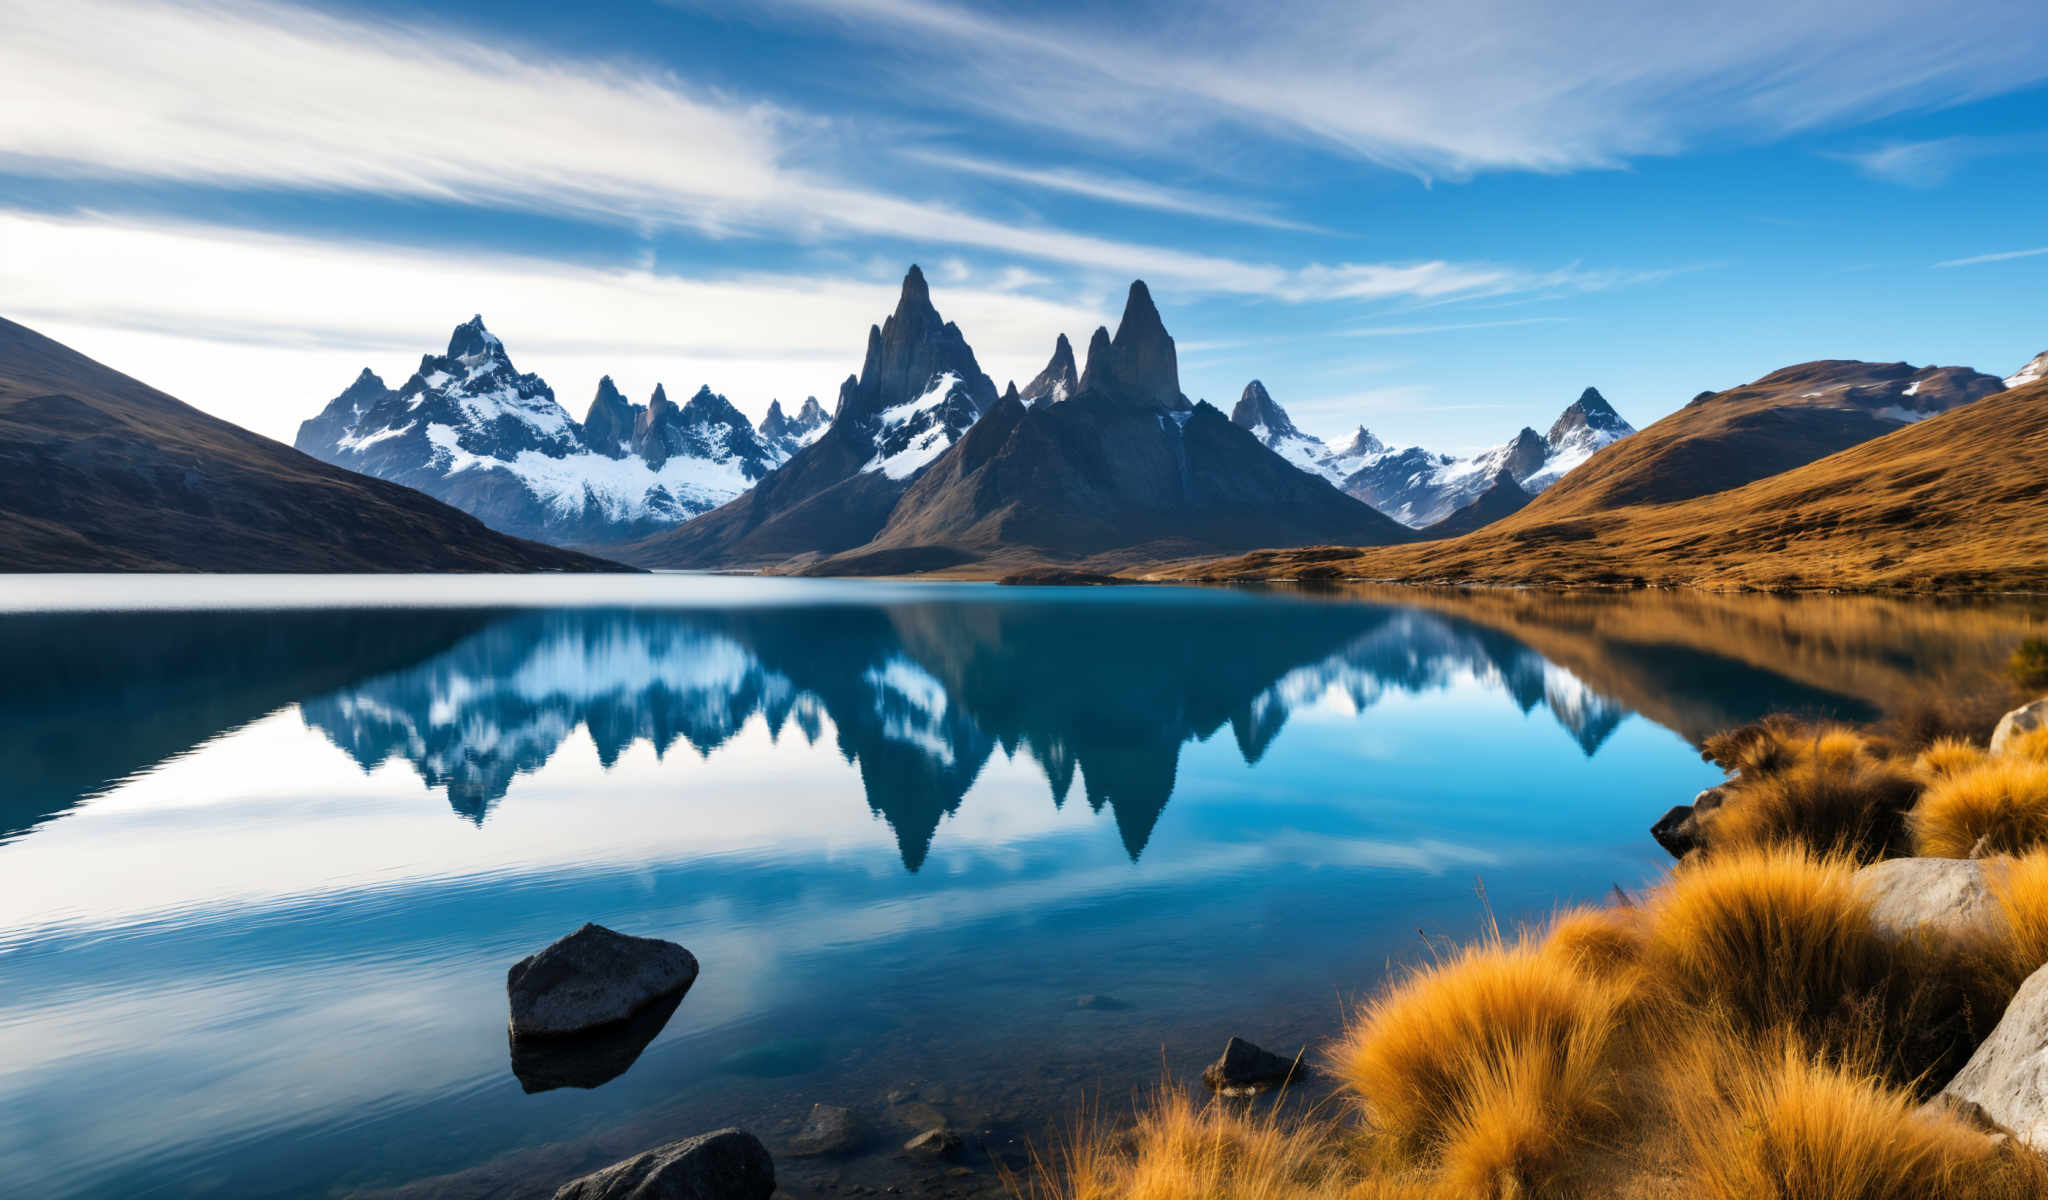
{"x":268,"y":845}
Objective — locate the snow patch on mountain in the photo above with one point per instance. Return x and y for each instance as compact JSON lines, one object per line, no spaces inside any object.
{"x":2036,"y":369}
{"x":910,"y":434}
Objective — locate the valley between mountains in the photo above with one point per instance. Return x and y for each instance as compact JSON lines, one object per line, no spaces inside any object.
{"x":1826,"y":474}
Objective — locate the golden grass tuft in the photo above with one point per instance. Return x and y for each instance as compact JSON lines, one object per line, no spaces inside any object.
{"x":2019,"y":886}
{"x":1603,"y":943}
{"x":1997,"y":807}
{"x":1835,"y":799}
{"x":1181,"y":1151}
{"x":1947,"y":756}
{"x":1769,"y":937}
{"x":1493,"y":1065}
{"x":1788,"y":1125}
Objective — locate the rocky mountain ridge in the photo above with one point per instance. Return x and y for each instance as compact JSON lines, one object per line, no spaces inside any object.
{"x":469,"y":429}
{"x":1419,"y":488}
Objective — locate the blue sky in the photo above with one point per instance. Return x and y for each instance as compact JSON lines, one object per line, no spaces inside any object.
{"x":1439,"y":218}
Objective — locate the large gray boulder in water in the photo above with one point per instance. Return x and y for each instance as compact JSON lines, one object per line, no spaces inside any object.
{"x":1945,"y":897}
{"x":591,"y":979}
{"x":2017,"y":722}
{"x":2006,"y":1080}
{"x":730,"y":1164}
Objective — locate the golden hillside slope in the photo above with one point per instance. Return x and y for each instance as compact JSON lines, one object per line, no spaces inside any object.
{"x":1955,"y":502}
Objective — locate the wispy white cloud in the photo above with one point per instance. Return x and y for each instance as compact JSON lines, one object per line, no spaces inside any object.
{"x":263,"y":329}
{"x":2001,"y":256}
{"x":1452,"y":87}
{"x":256,"y":95}
{"x":1130,"y":193}
{"x":1933,"y":161}
{"x":1450,"y":327}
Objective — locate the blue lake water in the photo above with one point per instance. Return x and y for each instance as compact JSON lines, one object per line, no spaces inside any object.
{"x":267,"y":846}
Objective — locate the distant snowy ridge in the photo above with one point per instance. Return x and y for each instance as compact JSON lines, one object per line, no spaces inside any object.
{"x":2036,"y":368}
{"x":469,"y":429}
{"x":1419,"y":488}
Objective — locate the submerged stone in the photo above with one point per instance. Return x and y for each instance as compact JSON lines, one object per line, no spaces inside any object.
{"x":830,"y":1129}
{"x":729,"y":1164}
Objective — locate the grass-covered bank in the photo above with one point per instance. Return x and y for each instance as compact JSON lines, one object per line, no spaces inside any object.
{"x":1770,"y":1021}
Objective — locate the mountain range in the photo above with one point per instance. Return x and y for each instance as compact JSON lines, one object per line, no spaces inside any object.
{"x":924,"y":468}
{"x":470,"y":429}
{"x":1421,"y":489}
{"x":1822,"y":475}
{"x":1103,"y":463}
{"x":99,"y":472}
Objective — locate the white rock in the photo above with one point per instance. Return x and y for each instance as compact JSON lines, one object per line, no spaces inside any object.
{"x":2008,"y":1076}
{"x":1947,"y":896}
{"x":2017,"y":722}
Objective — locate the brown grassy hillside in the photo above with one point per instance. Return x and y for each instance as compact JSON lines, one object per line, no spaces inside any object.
{"x":1953,"y":503}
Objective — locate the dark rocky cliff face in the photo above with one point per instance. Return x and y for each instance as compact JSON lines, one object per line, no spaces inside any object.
{"x":1138,"y":366}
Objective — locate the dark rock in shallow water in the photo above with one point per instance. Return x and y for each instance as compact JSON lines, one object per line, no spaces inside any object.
{"x":1678,"y":830}
{"x":1245,"y":1069}
{"x":588,"y":1060}
{"x":591,"y":979}
{"x":730,"y":1164}
{"x":1674,"y":830}
{"x":775,"y":1060}
{"x":830,"y":1130}
{"x":933,"y":1143}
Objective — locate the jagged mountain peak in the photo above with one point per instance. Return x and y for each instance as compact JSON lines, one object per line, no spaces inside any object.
{"x":1256,"y":410}
{"x":1590,"y":411}
{"x":1058,"y":380}
{"x":608,"y":425}
{"x":1138,"y":365}
{"x":2036,"y":368}
{"x":1361,"y":443}
{"x":472,"y":340}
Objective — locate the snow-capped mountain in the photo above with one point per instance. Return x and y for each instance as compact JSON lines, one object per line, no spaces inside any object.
{"x":919,"y":389}
{"x":469,"y":429}
{"x":1269,"y":423}
{"x":1419,"y":488}
{"x":1589,"y":424}
{"x":2036,"y":368}
{"x":788,"y":434}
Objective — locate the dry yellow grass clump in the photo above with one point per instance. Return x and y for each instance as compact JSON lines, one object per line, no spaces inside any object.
{"x":1494,"y":1066}
{"x":1787,"y":1124}
{"x":1179,"y":1151}
{"x":1947,"y":756}
{"x":1768,"y":938}
{"x":1997,"y":807}
{"x":1829,"y":789}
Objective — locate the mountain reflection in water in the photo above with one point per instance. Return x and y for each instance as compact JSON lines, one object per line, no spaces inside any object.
{"x":918,"y":697}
